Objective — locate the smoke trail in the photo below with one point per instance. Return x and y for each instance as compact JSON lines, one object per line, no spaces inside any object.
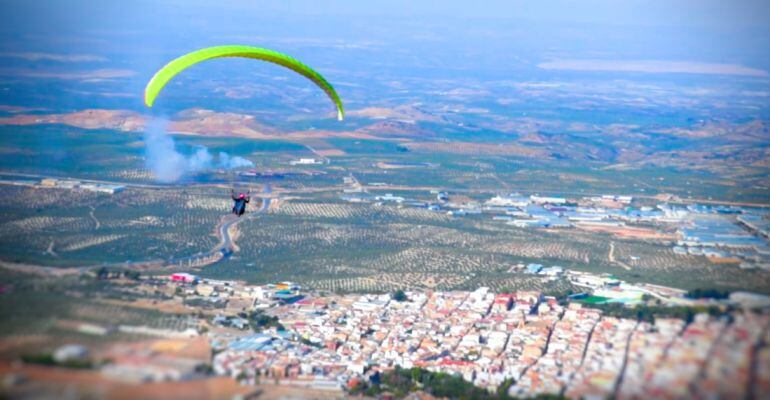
{"x":162,"y":159}
{"x":227,"y":161}
{"x":169,"y":165}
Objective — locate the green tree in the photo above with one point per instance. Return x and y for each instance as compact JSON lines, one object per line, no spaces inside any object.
{"x":399,"y":295}
{"x":131,"y":274}
{"x":260,"y":321}
{"x":708,"y":294}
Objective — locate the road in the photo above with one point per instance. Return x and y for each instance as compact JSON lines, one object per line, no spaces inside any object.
{"x":222,"y":250}
{"x":333,"y":188}
{"x":219,"y":252}
{"x":611,"y":257}
{"x":101,"y":181}
{"x":135,"y":185}
{"x":224,"y":234}
{"x":226,"y":245}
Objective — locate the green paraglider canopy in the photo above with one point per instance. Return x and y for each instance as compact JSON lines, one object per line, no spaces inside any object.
{"x":170,"y":70}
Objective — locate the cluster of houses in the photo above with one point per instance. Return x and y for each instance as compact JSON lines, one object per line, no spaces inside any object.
{"x":219,"y":292}
{"x":736,"y":233}
{"x":74,"y":184}
{"x":545,"y":346}
{"x":733,"y":233}
{"x":489,"y":338}
{"x":538,"y":269}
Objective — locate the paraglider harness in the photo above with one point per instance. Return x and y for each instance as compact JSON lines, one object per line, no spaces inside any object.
{"x":240,"y":202}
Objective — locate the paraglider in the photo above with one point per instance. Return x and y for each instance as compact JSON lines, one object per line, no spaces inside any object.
{"x":176,"y":66}
{"x":240,"y":201}
{"x":170,"y":70}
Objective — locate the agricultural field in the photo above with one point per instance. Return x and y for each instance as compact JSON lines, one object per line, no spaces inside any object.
{"x":316,"y":239}
{"x":310,"y":235}
{"x":658,"y":264}
{"x":342,"y":247}
{"x":491,"y":172}
{"x":61,"y":227}
{"x":36,"y":312}
{"x":119,"y":156}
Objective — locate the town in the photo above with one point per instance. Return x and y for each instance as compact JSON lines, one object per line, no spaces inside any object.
{"x":606,"y":337}
{"x":723,"y":234}
{"x":527,"y":342}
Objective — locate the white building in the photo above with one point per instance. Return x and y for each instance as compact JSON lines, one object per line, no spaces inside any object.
{"x":304,"y":161}
{"x":547,"y":200}
{"x":508,"y":201}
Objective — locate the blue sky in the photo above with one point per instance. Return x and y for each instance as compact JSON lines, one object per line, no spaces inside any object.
{"x":702,"y":13}
{"x":702,"y":30}
{"x":126,"y":41}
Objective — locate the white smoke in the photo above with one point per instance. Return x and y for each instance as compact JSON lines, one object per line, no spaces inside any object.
{"x":227,"y":161}
{"x":169,"y":165}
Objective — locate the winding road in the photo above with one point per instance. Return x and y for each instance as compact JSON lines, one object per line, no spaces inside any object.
{"x":222,"y":250}
{"x":226,"y":242}
{"x":611,"y":257}
{"x":226,"y":245}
